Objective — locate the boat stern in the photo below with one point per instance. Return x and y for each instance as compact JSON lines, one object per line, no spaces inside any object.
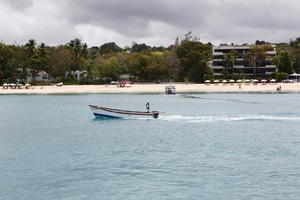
{"x":155,"y":114}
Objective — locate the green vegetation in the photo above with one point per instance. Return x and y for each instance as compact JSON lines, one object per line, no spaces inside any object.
{"x":193,"y":58}
{"x":185,"y":60}
{"x":283,"y":62}
{"x":229,"y":61}
{"x":280,"y":76}
{"x":256,"y":55}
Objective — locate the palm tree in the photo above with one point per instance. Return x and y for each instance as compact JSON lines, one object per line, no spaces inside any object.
{"x":31,"y":47}
{"x":42,"y":50}
{"x":229,"y":61}
{"x":79,"y":50}
{"x":254,"y":55}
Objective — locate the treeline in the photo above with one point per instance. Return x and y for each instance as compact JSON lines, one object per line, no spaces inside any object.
{"x":288,"y":56}
{"x":185,"y":60}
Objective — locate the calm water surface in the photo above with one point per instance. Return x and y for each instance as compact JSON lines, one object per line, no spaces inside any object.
{"x":205,"y":146}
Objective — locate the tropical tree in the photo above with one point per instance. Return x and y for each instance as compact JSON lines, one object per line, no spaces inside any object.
{"x":283,"y":62}
{"x":105,"y":69}
{"x":79,"y":51}
{"x":193,"y":58}
{"x":30,"y":47}
{"x":256,"y":55}
{"x":229,"y":61}
{"x":98,"y":69}
{"x":110,"y":47}
{"x":6,"y":59}
{"x":112,"y":68}
{"x":295,"y":58}
{"x":139,"y":47}
{"x":33,"y":62}
{"x":295,"y":43}
{"x":60,"y":61}
{"x":147,"y":66}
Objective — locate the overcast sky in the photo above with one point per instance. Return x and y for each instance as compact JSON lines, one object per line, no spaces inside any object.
{"x":155,"y":22}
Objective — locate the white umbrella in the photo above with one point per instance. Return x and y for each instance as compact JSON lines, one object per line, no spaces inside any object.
{"x":216,"y":81}
{"x":231,"y":81}
{"x":264,"y":81}
{"x":247,"y":81}
{"x":273,"y":80}
{"x":239,"y":81}
{"x":255,"y":81}
{"x":207,"y":81}
{"x":224,"y":81}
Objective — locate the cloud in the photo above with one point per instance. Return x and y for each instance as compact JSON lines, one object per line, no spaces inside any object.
{"x":18,"y":4}
{"x":41,"y":20}
{"x":133,"y":18}
{"x":156,"y":22}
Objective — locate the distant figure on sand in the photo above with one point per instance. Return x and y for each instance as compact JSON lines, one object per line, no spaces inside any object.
{"x":278,"y":88}
{"x":240,"y":86}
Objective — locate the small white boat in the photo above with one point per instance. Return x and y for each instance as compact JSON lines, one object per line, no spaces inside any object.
{"x":59,"y":84}
{"x":110,"y":113}
{"x":170,"y":89}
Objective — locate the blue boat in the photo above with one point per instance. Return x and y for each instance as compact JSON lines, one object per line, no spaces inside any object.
{"x":111,"y":113}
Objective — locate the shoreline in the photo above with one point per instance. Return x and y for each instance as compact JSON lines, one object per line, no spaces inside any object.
{"x":157,"y":88}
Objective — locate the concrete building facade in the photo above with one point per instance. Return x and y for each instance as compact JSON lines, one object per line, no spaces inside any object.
{"x":243,"y":66}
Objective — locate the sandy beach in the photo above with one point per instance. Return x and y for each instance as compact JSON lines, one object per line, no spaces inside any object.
{"x":154,"y":88}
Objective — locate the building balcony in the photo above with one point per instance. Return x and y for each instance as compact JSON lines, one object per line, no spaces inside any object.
{"x":271,"y":66}
{"x":269,"y":73}
{"x":271,"y":52}
{"x":217,"y":60}
{"x":239,"y":66}
{"x":267,"y":67}
{"x":217,"y":67}
{"x":218,"y":74}
{"x":218,"y":54}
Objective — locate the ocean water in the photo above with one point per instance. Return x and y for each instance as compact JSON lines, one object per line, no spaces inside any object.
{"x":204,"y":146}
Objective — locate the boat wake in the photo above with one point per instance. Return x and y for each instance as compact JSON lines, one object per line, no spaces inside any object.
{"x":197,"y":119}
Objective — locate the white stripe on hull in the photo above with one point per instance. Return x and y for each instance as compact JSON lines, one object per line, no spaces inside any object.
{"x":104,"y":112}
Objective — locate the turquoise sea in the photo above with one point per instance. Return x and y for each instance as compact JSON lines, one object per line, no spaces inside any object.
{"x":204,"y":146}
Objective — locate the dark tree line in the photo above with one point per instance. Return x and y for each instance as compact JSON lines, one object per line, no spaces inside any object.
{"x":185,"y":60}
{"x":107,"y":62}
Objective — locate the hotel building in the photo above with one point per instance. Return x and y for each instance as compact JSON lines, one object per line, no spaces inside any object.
{"x":242,"y":66}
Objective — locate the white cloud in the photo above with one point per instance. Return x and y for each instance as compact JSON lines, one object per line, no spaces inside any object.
{"x":156,"y":22}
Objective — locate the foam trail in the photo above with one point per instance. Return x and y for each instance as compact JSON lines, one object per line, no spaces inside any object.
{"x":197,"y":119}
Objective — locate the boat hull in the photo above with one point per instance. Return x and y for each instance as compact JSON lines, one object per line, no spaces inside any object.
{"x":107,"y":113}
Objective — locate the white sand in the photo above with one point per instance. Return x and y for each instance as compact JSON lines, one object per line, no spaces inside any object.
{"x":154,"y":88}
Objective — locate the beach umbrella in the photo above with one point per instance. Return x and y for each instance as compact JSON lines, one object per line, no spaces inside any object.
{"x":27,"y":86}
{"x":255,"y":81}
{"x":239,"y":81}
{"x":247,"y":81}
{"x":231,"y":81}
{"x":224,"y":81}
{"x":273,"y":81}
{"x":207,"y":81}
{"x":263,"y":81}
{"x":216,"y":81}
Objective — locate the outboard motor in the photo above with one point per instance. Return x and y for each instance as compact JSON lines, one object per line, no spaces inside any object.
{"x":155,"y":114}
